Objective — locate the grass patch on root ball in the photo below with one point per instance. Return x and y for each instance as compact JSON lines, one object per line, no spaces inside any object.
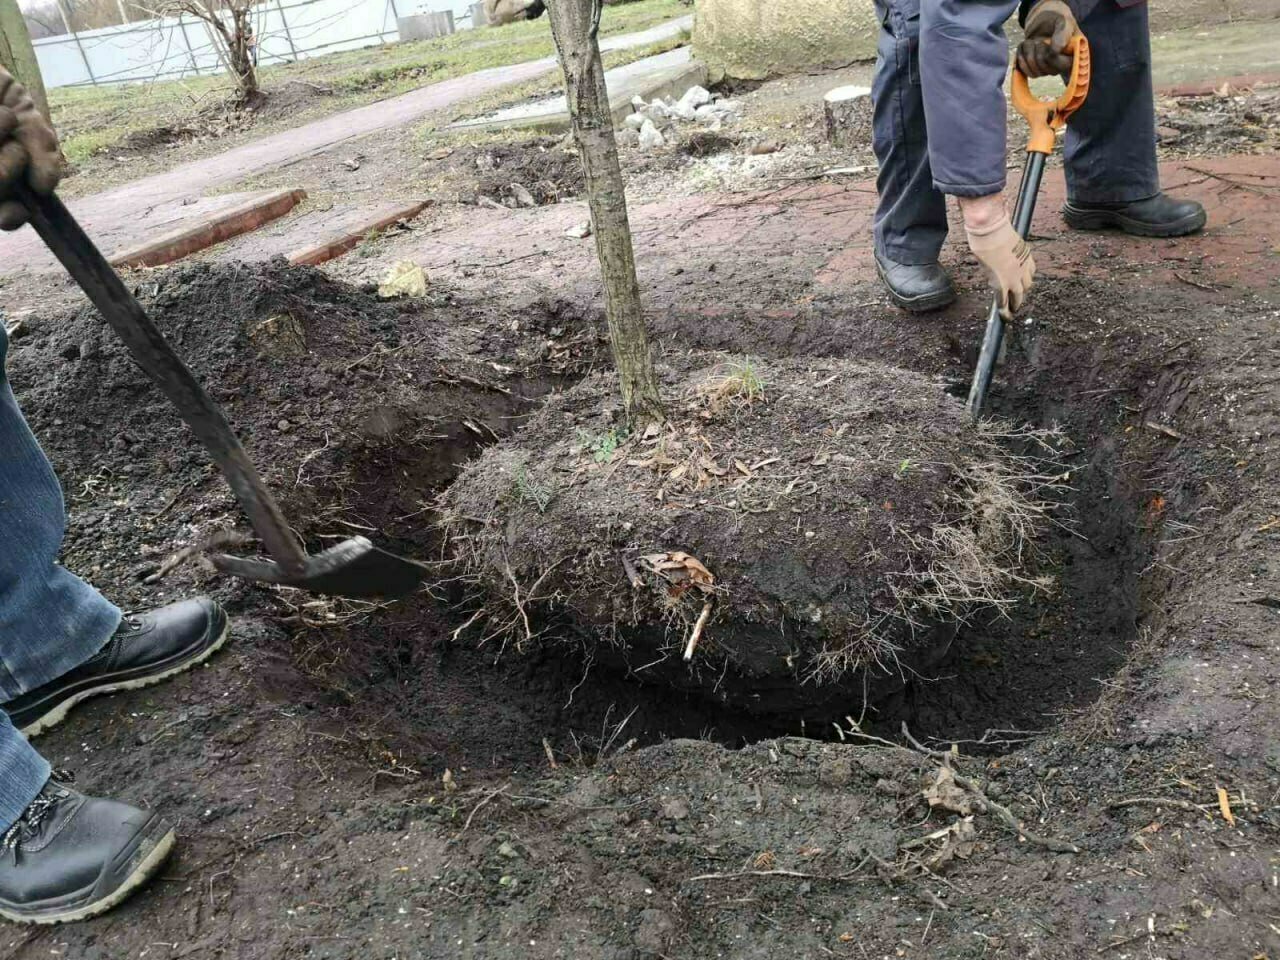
{"x":826,"y":535}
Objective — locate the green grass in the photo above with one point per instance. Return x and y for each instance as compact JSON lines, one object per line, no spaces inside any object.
{"x":93,"y":120}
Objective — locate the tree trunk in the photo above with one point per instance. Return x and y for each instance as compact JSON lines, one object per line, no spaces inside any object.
{"x":848,"y":115}
{"x":240,"y":52}
{"x":18,"y":56}
{"x":574,"y":24}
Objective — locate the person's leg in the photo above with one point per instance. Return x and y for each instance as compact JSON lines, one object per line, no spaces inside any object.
{"x":911,"y":221}
{"x":50,"y":620}
{"x":1110,"y":148}
{"x":23,"y":773}
{"x":1113,"y":179}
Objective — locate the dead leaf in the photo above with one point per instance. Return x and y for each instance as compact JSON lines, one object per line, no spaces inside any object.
{"x":944,"y":792}
{"x":1224,"y":804}
{"x":681,"y":572}
{"x":959,"y":840}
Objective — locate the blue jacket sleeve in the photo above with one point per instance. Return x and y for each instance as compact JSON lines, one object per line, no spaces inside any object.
{"x":964,"y":58}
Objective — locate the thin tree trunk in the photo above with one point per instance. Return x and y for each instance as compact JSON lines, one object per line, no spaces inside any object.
{"x":240,"y":54}
{"x":18,"y":56}
{"x":574,"y":24}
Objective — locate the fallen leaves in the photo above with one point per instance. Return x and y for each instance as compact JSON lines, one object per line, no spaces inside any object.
{"x":680,"y":572}
{"x":944,"y":792}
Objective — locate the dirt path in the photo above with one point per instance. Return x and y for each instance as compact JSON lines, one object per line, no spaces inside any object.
{"x":120,"y":217}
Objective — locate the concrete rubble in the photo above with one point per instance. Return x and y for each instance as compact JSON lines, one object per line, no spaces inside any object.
{"x":651,"y":124}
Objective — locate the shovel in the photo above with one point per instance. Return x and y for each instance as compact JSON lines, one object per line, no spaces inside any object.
{"x":353,"y":568}
{"x":1045,"y":118}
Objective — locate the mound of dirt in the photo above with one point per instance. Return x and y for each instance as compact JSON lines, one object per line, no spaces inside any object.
{"x":356,"y":409}
{"x":802,"y":532}
{"x":541,"y":169}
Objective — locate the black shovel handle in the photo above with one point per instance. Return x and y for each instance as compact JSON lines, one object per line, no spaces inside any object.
{"x":152,"y":352}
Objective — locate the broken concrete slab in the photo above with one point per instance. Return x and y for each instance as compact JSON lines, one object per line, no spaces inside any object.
{"x":218,"y":219}
{"x":667,"y":74}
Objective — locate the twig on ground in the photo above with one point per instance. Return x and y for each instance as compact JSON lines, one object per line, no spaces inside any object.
{"x":1005,"y":816}
{"x":482,"y":804}
{"x":1162,"y":802}
{"x":794,"y":874}
{"x":1195,"y":283}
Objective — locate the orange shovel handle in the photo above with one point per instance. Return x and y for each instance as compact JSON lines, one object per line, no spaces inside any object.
{"x":1046,"y":117}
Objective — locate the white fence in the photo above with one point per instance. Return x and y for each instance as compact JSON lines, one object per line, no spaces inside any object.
{"x":172,"y":47}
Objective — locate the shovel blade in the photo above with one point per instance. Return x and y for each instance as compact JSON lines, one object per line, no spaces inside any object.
{"x":354,"y":568}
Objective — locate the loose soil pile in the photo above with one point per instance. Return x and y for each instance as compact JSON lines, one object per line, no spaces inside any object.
{"x":803,"y":531}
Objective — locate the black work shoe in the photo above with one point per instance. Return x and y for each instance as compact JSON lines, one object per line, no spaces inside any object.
{"x":71,"y":857}
{"x":918,"y":287}
{"x":1158,"y":216}
{"x":143,"y":651}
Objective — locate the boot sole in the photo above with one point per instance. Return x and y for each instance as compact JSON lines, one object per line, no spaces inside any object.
{"x":55,"y":715}
{"x":925,"y":303}
{"x":147,"y":868}
{"x":1079,"y":219}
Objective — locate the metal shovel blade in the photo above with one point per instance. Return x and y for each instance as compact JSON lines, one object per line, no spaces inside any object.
{"x":354,"y":568}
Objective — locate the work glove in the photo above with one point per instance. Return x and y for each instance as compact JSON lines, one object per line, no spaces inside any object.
{"x":1049,"y":28}
{"x":1007,"y":260}
{"x":28,"y":150}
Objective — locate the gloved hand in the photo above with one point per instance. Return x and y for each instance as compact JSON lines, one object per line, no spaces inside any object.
{"x":1049,"y":27}
{"x":1007,"y":259}
{"x":28,"y":149}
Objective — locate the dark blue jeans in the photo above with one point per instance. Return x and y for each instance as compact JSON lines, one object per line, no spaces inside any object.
{"x":1110,"y":150}
{"x":50,"y":620}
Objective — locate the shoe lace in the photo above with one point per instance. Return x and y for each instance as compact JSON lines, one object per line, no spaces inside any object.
{"x":28,"y":825}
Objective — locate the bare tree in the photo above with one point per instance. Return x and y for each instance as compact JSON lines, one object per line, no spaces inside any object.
{"x":17,"y":55}
{"x":231,"y":24}
{"x":575,"y":24}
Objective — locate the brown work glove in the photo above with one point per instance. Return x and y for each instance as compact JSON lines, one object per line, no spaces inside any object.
{"x":1008,"y":262}
{"x":1049,"y":28}
{"x":28,"y":149}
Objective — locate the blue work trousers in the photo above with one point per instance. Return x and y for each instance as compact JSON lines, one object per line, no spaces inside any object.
{"x":50,"y":620}
{"x":1110,"y":151}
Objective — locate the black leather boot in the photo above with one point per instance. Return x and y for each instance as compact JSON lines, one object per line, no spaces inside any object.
{"x":918,"y":287}
{"x":71,"y":857}
{"x":1158,"y":216}
{"x":144,"y":650}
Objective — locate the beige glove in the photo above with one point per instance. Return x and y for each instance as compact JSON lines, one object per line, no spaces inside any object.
{"x":28,"y":148}
{"x":1008,"y":261}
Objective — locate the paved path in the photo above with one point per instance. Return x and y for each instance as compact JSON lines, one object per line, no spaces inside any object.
{"x":702,"y":254}
{"x":121,"y":217}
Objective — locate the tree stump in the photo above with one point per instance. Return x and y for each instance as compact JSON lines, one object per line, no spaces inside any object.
{"x":848,"y":116}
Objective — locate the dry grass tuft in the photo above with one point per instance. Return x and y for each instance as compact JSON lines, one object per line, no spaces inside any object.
{"x":735,"y":383}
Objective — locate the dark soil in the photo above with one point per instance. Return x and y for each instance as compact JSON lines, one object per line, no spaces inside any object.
{"x":305,"y":766}
{"x":544,"y":167}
